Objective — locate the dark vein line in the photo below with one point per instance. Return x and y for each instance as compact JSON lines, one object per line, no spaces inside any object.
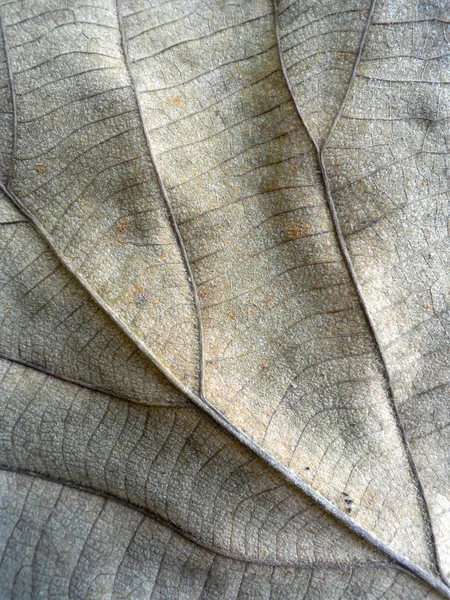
{"x":170,"y":211}
{"x":428,"y":525}
{"x":216,"y":32}
{"x":97,"y":55}
{"x":146,"y":512}
{"x":205,"y":74}
{"x":64,"y":78}
{"x":12,"y":92}
{"x":165,"y":23}
{"x":338,"y":116}
{"x":91,"y":386}
{"x":15,"y":222}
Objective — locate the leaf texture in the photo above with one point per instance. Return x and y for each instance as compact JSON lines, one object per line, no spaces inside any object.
{"x":393,"y":206}
{"x":174,"y":462}
{"x":148,"y":559}
{"x":50,"y":321}
{"x":241,"y":206}
{"x":83,"y":169}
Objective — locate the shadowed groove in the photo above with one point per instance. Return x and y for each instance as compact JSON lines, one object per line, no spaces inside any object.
{"x":146,"y":512}
{"x":13,"y":99}
{"x":91,"y":386}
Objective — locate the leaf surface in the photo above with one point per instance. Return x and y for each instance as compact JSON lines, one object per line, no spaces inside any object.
{"x":392,"y":205}
{"x":143,"y":558}
{"x":219,"y":222}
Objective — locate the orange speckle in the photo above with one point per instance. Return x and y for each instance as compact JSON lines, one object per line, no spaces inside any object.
{"x":298,"y":229}
{"x":270,"y":187}
{"x":175,"y":101}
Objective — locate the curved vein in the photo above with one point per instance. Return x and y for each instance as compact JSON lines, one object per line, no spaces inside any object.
{"x":170,"y":211}
{"x":349,"y":264}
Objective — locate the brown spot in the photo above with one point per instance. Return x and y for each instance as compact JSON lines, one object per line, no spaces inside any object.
{"x":40,"y":168}
{"x":424,"y":181}
{"x":155,"y":302}
{"x":262,"y":364}
{"x":298,"y":229}
{"x":122,"y":226}
{"x":271,"y":187}
{"x":175,"y":101}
